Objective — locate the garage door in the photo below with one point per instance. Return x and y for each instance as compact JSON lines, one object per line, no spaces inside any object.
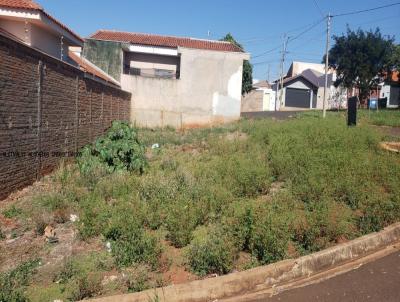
{"x":297,"y":98}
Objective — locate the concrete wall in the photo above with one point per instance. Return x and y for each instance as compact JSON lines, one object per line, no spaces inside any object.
{"x":48,"y":111}
{"x":208,"y":91}
{"x":253,"y":101}
{"x":106,"y":55}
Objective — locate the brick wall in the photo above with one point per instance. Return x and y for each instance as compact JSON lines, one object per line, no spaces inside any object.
{"x":47,"y":109}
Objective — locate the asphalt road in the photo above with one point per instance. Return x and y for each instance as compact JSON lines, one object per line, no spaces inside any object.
{"x":378,"y":281}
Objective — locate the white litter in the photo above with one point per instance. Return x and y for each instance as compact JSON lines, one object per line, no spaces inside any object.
{"x":155,"y":146}
{"x":73,"y":217}
{"x":108,"y":246}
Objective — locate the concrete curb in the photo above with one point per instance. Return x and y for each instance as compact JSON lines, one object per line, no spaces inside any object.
{"x":264,"y":277}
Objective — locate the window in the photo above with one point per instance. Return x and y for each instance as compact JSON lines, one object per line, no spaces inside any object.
{"x":152,"y":65}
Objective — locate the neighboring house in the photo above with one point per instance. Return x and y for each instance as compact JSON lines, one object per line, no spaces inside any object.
{"x":260,"y":98}
{"x":390,"y":90}
{"x":303,"y":88}
{"x":175,"y":81}
{"x":28,"y":22}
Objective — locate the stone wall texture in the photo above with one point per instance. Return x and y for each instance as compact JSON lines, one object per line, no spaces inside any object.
{"x":48,"y":111}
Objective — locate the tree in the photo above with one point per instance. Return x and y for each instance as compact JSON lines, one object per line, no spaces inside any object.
{"x":247,"y":77}
{"x":361,"y":59}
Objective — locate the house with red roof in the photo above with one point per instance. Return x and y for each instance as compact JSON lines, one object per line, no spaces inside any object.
{"x":27,"y":22}
{"x":174,"y":81}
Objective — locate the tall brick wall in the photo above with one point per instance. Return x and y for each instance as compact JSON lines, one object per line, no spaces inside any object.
{"x":48,"y":110}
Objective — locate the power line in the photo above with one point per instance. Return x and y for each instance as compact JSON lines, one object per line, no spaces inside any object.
{"x":307,"y":30}
{"x":365,"y":10}
{"x":319,"y":8}
{"x":267,"y":52}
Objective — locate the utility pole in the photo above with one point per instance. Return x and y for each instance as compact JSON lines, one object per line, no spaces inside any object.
{"x":279,"y":82}
{"x":328,"y":34}
{"x":268,"y":73}
{"x":285,"y":41}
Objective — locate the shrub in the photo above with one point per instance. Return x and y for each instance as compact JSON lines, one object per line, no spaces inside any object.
{"x":238,"y":222}
{"x":131,"y":243}
{"x":85,"y":286}
{"x":2,"y":235}
{"x":211,"y":251}
{"x":270,"y":235}
{"x":323,"y":223}
{"x":119,"y":149}
{"x":137,"y":278}
{"x":180,"y":221}
{"x":12,"y":283}
{"x":12,"y":212}
{"x":94,"y":217}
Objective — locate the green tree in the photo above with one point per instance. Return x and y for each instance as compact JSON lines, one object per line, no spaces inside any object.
{"x":361,"y":59}
{"x":247,"y":77}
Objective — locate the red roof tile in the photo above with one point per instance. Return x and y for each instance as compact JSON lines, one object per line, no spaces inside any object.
{"x":21,"y":4}
{"x":166,"y":41}
{"x":31,"y":5}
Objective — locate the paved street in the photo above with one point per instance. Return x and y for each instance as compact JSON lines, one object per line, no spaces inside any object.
{"x":378,"y":281}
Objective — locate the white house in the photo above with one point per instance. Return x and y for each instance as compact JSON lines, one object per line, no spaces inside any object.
{"x":176,"y":81}
{"x":390,"y":90}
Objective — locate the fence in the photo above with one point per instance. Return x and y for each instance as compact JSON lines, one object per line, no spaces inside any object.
{"x":48,"y":110}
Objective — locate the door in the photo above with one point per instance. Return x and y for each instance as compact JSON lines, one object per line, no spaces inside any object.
{"x":394,"y":96}
{"x":299,"y":98}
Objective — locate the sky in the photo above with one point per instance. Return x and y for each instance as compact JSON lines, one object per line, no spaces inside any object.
{"x":259,"y":25}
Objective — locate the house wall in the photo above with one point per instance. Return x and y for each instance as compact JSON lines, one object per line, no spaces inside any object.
{"x":107,"y":55}
{"x":36,"y":36}
{"x":208,"y":91}
{"x":48,"y":111}
{"x":48,"y":42}
{"x":18,"y":29}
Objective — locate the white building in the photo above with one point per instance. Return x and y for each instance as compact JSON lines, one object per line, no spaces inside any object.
{"x":175,"y":81}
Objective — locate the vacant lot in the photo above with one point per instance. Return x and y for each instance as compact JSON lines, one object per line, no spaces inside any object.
{"x":209,"y":201}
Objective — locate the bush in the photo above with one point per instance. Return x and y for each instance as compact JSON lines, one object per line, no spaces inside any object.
{"x":270,"y":235}
{"x":238,"y":222}
{"x":119,"y":149}
{"x":181,"y":220}
{"x":211,"y":251}
{"x":12,"y":212}
{"x":131,"y":243}
{"x":322,"y":224}
{"x":12,"y":283}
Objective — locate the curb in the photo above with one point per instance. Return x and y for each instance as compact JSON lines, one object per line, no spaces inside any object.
{"x":264,"y":277}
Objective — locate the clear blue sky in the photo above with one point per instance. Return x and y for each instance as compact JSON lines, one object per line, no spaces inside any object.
{"x":257,"y":24}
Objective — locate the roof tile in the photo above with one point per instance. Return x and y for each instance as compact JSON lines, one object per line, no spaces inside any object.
{"x":164,"y":41}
